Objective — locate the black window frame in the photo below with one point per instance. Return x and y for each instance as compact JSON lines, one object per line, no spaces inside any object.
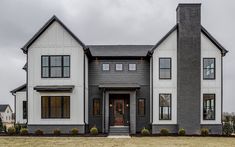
{"x":138,"y":106}
{"x":102,"y":65}
{"x":169,"y":115}
{"x":25,"y":115}
{"x":165,"y":68}
{"x":49,"y":108}
{"x":116,"y":67}
{"x":214,"y":97}
{"x":129,"y":67}
{"x":49,"y":66}
{"x":205,"y":68}
{"x":93,"y":105}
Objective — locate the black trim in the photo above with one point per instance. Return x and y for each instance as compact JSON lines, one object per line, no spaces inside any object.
{"x":49,"y":108}
{"x":49,"y":66}
{"x":204,"y":68}
{"x":170,"y":116}
{"x":214,"y":97}
{"x":159,"y":68}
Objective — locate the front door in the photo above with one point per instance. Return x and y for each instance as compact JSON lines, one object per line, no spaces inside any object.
{"x":119,"y":112}
{"x":119,"y":109}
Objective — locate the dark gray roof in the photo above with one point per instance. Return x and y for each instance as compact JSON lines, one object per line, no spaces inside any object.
{"x":3,"y":107}
{"x":122,"y":86}
{"x":203,"y":30}
{"x":54,"y":88}
{"x":45,"y":26}
{"x":119,"y":50}
{"x":20,"y":88}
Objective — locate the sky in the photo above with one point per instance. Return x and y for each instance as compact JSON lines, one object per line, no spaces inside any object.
{"x":107,"y":22}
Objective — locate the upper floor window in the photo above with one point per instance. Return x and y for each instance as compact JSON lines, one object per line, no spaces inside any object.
{"x":55,"y":66}
{"x":208,"y":68}
{"x":208,"y":106}
{"x":119,"y":67}
{"x":24,"y":109}
{"x":164,"y":68}
{"x":132,"y":67}
{"x":55,"y":107}
{"x":165,"y":107}
{"x":105,"y":67}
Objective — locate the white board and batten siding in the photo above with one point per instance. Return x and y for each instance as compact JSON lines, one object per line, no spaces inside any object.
{"x":168,"y":48}
{"x":209,"y":50}
{"x":56,"y":41}
{"x":20,"y":97}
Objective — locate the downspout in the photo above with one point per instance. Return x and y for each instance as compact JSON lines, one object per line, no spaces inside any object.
{"x":84,"y":90}
{"x":14,"y":107}
{"x":222,"y":89}
{"x":27,"y":93}
{"x":151,"y":60}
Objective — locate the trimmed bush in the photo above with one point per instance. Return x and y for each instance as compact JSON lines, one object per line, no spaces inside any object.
{"x":17,"y":128}
{"x":56,"y":132}
{"x":181,"y":132}
{"x":227,"y":129}
{"x":164,"y":132}
{"x":145,"y":132}
{"x":204,"y":131}
{"x":24,"y":131}
{"x":93,"y":131}
{"x":38,"y":132}
{"x":74,"y":131}
{"x":11,"y":131}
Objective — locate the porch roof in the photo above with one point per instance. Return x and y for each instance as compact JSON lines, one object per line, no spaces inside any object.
{"x":120,"y":86}
{"x":54,"y":88}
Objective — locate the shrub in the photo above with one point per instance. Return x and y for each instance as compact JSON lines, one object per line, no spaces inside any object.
{"x":23,"y":131}
{"x":56,"y":132}
{"x":17,"y":128}
{"x":74,"y":131}
{"x":204,"y":131}
{"x":38,"y":132}
{"x":145,"y":132}
{"x":94,"y":131}
{"x":181,"y":132}
{"x":164,"y":132}
{"x":11,"y":131}
{"x":227,"y":129}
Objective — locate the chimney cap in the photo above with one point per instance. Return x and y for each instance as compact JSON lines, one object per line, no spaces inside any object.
{"x":187,"y":4}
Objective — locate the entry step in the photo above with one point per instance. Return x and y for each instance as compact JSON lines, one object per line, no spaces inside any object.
{"x":119,"y":130}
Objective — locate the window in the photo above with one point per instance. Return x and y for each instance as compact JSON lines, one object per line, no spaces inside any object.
{"x":132,"y":67}
{"x":141,"y":107}
{"x":24,"y":109}
{"x":209,"y":106}
{"x":55,"y":66}
{"x":119,"y":67}
{"x":96,"y":107}
{"x":165,"y":107}
{"x":208,"y":68}
{"x":105,"y":67}
{"x":164,"y":68}
{"x":55,"y":107}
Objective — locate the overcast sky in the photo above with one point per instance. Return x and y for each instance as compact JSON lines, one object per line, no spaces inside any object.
{"x":107,"y":22}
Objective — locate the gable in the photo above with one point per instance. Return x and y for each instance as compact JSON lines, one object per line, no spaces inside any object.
{"x":53,"y":34}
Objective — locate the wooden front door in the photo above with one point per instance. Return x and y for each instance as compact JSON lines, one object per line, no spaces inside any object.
{"x":119,"y":112}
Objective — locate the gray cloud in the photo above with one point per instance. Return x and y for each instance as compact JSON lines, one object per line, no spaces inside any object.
{"x":106,"y":22}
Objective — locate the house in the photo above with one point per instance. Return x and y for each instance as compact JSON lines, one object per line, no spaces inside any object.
{"x":176,"y":83}
{"x":6,"y":115}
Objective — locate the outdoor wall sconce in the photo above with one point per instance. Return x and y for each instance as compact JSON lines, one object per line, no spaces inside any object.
{"x":110,"y":105}
{"x":127,"y":105}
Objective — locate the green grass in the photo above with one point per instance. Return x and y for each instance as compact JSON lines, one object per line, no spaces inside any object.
{"x":107,"y":142}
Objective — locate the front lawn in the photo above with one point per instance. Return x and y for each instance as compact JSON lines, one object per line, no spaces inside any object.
{"x":125,"y":142}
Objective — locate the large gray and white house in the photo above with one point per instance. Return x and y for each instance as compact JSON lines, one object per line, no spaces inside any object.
{"x":176,"y":83}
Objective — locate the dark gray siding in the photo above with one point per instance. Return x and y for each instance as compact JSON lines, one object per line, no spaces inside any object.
{"x":141,"y":76}
{"x":188,"y":67}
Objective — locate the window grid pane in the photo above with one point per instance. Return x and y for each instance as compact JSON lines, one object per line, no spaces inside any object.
{"x":119,"y":67}
{"x":141,"y":107}
{"x":209,"y":107}
{"x":132,"y":67}
{"x":96,"y":107}
{"x":164,"y":68}
{"x":105,"y":67}
{"x":208,"y":68}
